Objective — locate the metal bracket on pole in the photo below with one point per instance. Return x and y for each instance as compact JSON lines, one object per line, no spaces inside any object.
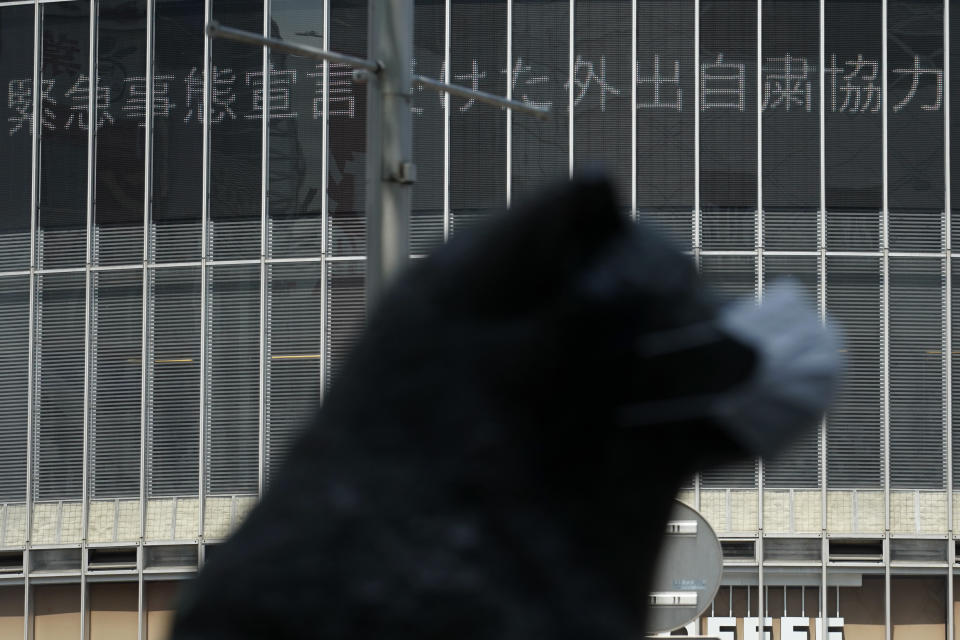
{"x":390,"y":167}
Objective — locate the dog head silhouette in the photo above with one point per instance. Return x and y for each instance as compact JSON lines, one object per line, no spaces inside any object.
{"x":498,"y":456}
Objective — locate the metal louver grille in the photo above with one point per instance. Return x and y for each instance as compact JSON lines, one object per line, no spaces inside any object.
{"x":295,"y":164}
{"x":735,"y":475}
{"x":477,"y":182}
{"x":14,"y":348}
{"x":602,"y":33}
{"x":916,"y":373}
{"x":177,"y":142}
{"x":236,"y":158}
{"x":798,"y":466}
{"x":728,"y":230}
{"x":916,"y":230}
{"x":233,"y":379}
{"x":119,"y":167}
{"x":854,"y":423}
{"x":426,"y":215}
{"x":540,"y":36}
{"x":58,"y":411}
{"x":728,"y":127}
{"x":61,"y":218}
{"x":853,"y":230}
{"x":791,"y":231}
{"x":915,"y":135}
{"x":173,"y":401}
{"x":665,"y":113}
{"x":955,"y":364}
{"x":791,"y":125}
{"x":346,"y":312}
{"x":346,"y":179}
{"x":853,"y":138}
{"x":16,"y":51}
{"x":115,"y":375}
{"x":293,"y":346}
{"x":731,"y":278}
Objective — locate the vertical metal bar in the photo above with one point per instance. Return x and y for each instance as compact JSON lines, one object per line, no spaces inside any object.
{"x":696,"y":491}
{"x":35,"y":127}
{"x":509,"y":97}
{"x":885,"y":248}
{"x":947,"y":248}
{"x":141,"y":614}
{"x":204,"y":276}
{"x":446,"y":121}
{"x":822,"y":244}
{"x":759,"y":267}
{"x":84,"y":603}
{"x":696,"y":181}
{"x":145,"y":316}
{"x":948,"y":319}
{"x":887,"y":625}
{"x":145,"y":359}
{"x":325,"y":212}
{"x":91,"y":178}
{"x":885,"y":257}
{"x":389,"y":143}
{"x":633,"y":119}
{"x":264,"y":248}
{"x":570,"y":92}
{"x":696,"y":132}
{"x":27,"y":603}
{"x":92,"y":117}
{"x":759,"y":219}
{"x":822,"y":258}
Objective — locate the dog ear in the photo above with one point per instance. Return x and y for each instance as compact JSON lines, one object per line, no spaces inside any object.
{"x":531,"y":253}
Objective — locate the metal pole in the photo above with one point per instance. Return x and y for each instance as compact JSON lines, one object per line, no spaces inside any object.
{"x":390,"y":168}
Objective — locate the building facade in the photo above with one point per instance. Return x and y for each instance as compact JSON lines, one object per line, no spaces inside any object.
{"x":181,"y":268}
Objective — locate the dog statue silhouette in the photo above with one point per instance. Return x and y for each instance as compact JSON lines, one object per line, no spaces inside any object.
{"x":498,"y":456}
